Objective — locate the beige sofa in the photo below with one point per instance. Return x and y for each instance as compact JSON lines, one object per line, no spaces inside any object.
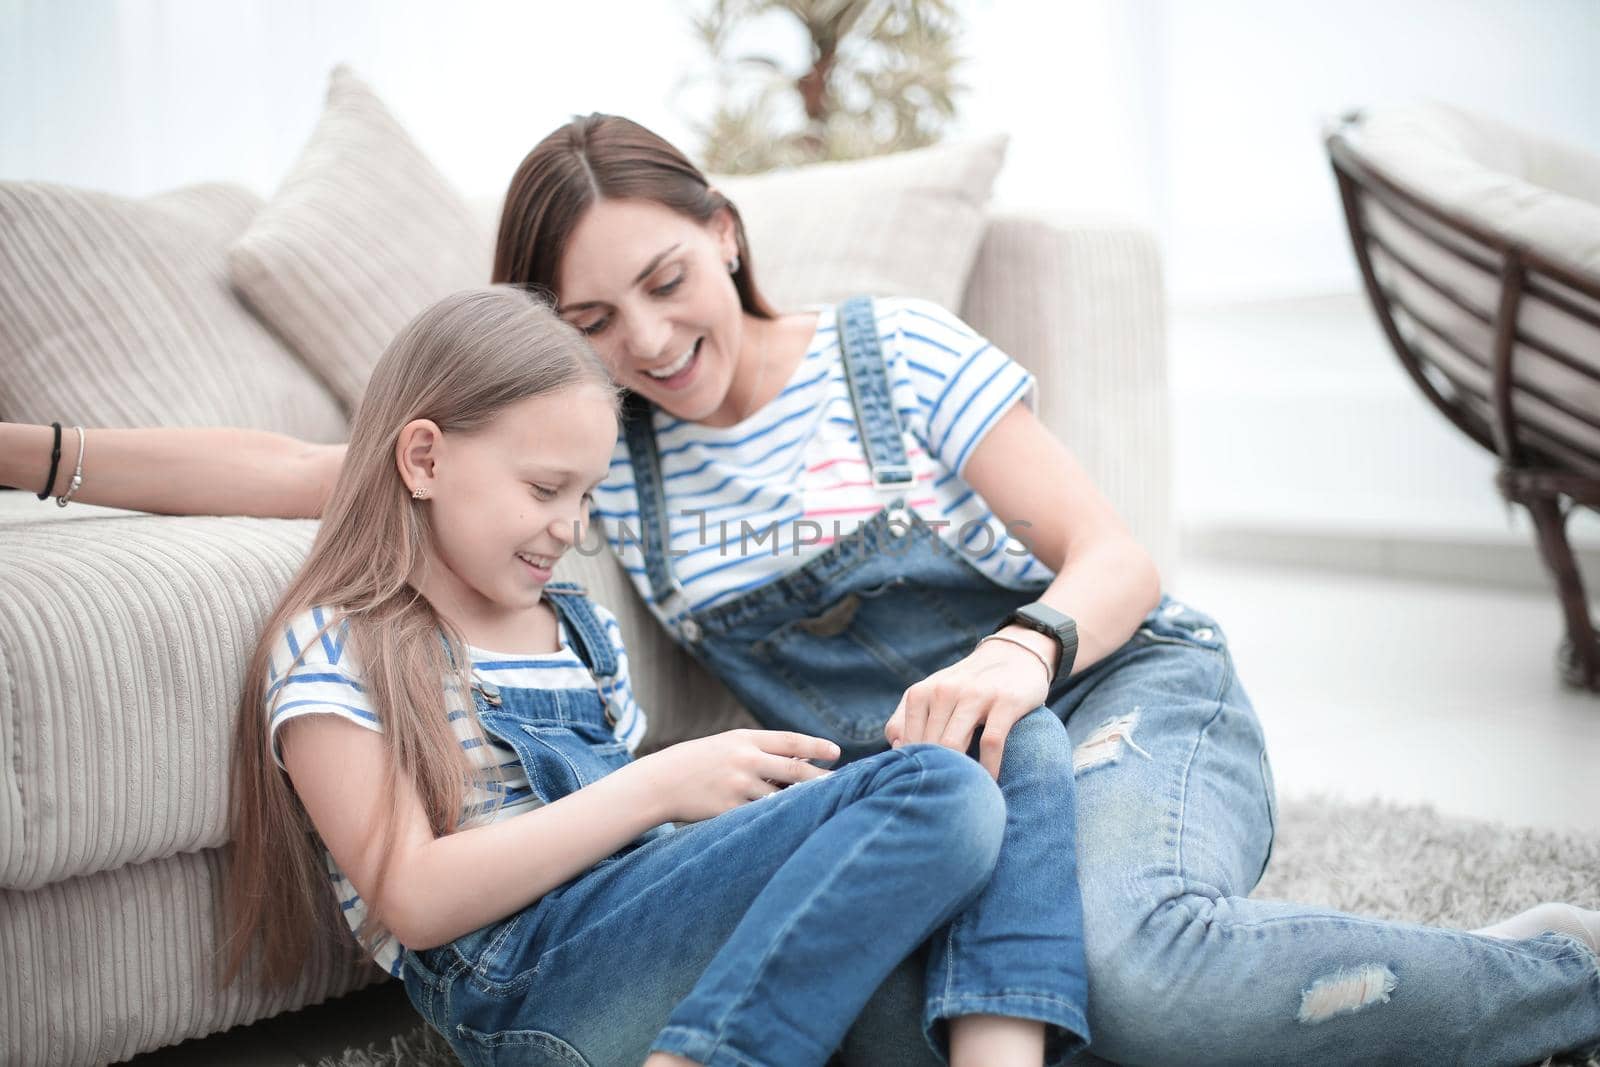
{"x":122,"y":636}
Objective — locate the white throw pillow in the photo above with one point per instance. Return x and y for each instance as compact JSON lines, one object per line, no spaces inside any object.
{"x":907,"y":224}
{"x":362,"y":235}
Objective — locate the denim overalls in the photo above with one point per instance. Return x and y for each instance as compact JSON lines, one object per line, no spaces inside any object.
{"x":565,"y":741}
{"x":829,"y":649}
{"x":756,"y":937}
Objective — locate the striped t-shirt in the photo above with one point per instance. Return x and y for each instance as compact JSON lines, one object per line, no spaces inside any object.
{"x":312,"y":675}
{"x":749,"y":503}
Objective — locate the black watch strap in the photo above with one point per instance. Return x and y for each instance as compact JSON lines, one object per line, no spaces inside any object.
{"x":1061,"y":628}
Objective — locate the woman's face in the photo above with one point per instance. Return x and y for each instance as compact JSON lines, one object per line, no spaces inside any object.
{"x":650,"y":288}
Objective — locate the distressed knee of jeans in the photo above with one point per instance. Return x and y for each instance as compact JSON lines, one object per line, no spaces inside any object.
{"x":1106,"y":743}
{"x":1350,"y":990}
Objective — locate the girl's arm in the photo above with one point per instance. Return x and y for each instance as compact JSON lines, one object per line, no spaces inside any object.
{"x":440,"y":888}
{"x":178,"y":471}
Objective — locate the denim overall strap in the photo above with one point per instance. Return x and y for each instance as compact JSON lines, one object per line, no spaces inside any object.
{"x":589,"y":640}
{"x":588,"y":633}
{"x":876,"y":418}
{"x":654,"y":532}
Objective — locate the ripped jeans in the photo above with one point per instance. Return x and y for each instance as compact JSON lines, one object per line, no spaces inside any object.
{"x":1176,"y":814}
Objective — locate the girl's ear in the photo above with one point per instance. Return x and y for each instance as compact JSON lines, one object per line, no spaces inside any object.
{"x":417,"y":454}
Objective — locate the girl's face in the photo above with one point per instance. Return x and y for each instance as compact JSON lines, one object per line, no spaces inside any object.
{"x":508,"y":500}
{"x":650,"y":288}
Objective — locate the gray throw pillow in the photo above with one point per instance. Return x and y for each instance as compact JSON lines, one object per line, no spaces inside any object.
{"x":118,"y":312}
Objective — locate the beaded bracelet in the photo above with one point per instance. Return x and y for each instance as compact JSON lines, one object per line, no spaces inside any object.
{"x":55,"y":462}
{"x":77,"y":475}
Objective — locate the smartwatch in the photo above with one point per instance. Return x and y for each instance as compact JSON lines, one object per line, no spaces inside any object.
{"x":1047,"y":620}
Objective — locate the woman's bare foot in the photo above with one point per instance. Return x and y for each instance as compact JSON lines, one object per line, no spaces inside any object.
{"x":1568,"y":919}
{"x":996,"y":1041}
{"x":667,"y":1059}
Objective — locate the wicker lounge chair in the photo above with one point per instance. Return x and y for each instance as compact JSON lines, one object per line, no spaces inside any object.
{"x":1480,"y":248}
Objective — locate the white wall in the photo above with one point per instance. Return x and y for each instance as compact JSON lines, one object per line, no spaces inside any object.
{"x":1201,"y":119}
{"x":135,"y":96}
{"x":1204,"y":118}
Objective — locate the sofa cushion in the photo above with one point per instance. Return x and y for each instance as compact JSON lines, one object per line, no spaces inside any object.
{"x":109,"y":965}
{"x":117,"y":312}
{"x":363,"y":234}
{"x":123,"y":641}
{"x":907,"y":224}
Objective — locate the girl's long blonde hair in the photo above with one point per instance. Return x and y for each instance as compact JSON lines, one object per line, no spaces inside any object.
{"x":459,"y":363}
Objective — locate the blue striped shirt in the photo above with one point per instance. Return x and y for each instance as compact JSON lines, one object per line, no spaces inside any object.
{"x":749,"y":503}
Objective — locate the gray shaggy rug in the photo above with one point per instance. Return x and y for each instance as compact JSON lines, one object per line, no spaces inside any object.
{"x":1373,"y":859}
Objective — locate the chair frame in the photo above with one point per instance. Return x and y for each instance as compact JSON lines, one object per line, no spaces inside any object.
{"x":1536,"y":470}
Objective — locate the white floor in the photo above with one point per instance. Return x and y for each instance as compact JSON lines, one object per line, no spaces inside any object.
{"x":1412,"y":691}
{"x":1299,"y":439}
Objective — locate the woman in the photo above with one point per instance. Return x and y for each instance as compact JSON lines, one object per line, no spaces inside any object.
{"x":871,"y":633}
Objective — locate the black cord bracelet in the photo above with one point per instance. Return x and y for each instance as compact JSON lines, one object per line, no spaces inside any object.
{"x":55,"y":462}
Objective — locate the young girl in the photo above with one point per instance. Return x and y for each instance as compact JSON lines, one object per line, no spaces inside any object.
{"x":457,"y":732}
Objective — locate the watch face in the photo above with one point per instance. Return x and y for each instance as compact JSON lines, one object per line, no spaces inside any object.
{"x":1046,"y":616}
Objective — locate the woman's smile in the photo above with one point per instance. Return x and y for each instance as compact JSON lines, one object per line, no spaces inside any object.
{"x":680,"y":373}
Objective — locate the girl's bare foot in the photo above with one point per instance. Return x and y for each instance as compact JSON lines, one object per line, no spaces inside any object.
{"x":996,"y":1041}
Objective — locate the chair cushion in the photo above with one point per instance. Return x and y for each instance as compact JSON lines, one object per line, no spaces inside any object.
{"x":1517,"y":187}
{"x":1517,"y":184}
{"x":363,"y":234}
{"x":117,"y":312}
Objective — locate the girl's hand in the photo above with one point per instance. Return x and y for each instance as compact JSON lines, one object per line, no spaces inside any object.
{"x":997,"y":684}
{"x":703,"y":778}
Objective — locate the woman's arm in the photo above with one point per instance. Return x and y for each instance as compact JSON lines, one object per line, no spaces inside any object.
{"x":1105,"y":581}
{"x":178,"y":471}
{"x":1104,"y":578}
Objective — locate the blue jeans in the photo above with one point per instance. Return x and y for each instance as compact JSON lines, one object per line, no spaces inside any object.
{"x":756,"y":937}
{"x":1175,"y":822}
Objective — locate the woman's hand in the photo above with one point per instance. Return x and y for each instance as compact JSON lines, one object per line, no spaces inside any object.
{"x":703,"y":778}
{"x":997,"y":684}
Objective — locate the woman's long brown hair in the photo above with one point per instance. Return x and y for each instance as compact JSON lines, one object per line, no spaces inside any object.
{"x":459,"y":363}
{"x":603,"y":157}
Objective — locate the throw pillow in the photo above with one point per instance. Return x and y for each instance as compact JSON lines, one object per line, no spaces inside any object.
{"x":906,"y":224}
{"x":117,"y":312}
{"x":363,"y":234}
